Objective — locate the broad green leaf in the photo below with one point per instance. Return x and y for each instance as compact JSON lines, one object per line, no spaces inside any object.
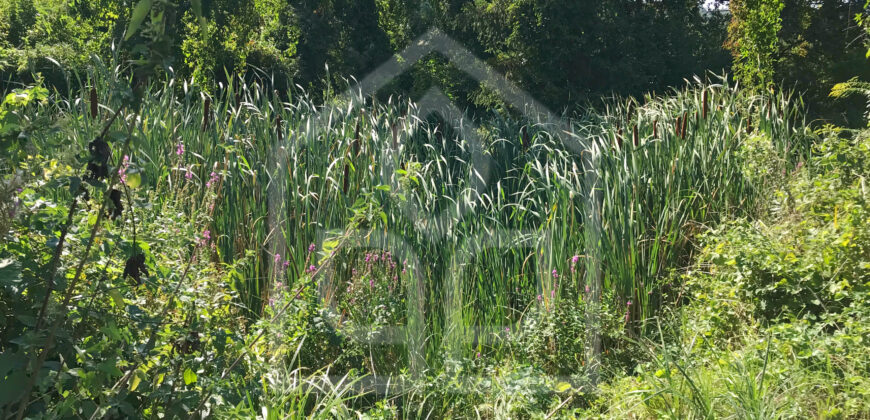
{"x":116,"y":296}
{"x":10,"y":272}
{"x":137,"y":379}
{"x":138,"y":16}
{"x":189,"y":376}
{"x":134,"y":180}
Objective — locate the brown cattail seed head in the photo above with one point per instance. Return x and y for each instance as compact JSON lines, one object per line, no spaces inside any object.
{"x":655,"y":129}
{"x":346,"y":178}
{"x":619,"y":136}
{"x":356,"y":140}
{"x":685,"y":123}
{"x":278,"y":122}
{"x":95,"y":104}
{"x":705,"y":105}
{"x":634,"y":135}
{"x":395,"y":129}
{"x":206,"y":110}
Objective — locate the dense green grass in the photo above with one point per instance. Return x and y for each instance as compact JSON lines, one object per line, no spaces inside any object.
{"x":628,"y":204}
{"x":357,"y":260}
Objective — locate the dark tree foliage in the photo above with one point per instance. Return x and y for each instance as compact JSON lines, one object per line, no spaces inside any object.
{"x":564,"y":52}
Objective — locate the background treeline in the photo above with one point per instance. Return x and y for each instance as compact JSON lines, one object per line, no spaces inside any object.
{"x":565,"y":52}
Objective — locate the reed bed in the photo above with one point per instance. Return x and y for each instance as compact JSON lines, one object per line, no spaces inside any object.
{"x":618,"y":210}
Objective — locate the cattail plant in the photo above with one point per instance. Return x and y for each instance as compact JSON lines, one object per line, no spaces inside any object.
{"x":206,"y":110}
{"x":356,"y":139}
{"x":346,"y":185}
{"x":619,"y":136}
{"x":685,"y":124}
{"x":94,"y":102}
{"x":705,"y":103}
{"x":678,"y":127}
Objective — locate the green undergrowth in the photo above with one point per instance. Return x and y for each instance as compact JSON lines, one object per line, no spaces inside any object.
{"x":705,"y":256}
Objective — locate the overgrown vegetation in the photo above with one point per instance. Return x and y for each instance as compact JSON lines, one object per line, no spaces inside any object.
{"x":176,"y":247}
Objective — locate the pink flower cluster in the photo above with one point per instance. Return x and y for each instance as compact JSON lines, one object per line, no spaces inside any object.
{"x":122,"y":171}
{"x":213,"y":179}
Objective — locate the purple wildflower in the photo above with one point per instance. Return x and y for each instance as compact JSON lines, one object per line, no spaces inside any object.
{"x":539,"y":298}
{"x":214,"y":178}
{"x":311,"y":248}
{"x":277,"y":258}
{"x":179,"y":148}
{"x":122,"y":171}
{"x":555,"y":274}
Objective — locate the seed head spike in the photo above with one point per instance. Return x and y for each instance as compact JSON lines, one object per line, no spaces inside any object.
{"x":356,"y":139}
{"x":346,"y":178}
{"x":705,"y":104}
{"x":634,"y":135}
{"x":94,"y":103}
{"x":685,"y":123}
{"x":619,"y":136}
{"x":206,"y":110}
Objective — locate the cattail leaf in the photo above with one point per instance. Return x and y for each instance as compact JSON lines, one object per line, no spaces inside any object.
{"x":137,"y":17}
